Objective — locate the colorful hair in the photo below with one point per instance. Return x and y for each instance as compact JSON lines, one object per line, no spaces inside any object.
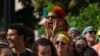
{"x":63,"y":35}
{"x":57,"y":9}
{"x":47,"y":9}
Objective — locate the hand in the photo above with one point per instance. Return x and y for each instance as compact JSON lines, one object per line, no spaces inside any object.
{"x":48,"y":30}
{"x":55,"y":23}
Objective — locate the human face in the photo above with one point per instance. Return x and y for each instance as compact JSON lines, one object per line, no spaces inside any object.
{"x":5,"y":52}
{"x":61,"y":45}
{"x":80,"y":44}
{"x":12,"y":37}
{"x":74,"y":33}
{"x":51,"y":19}
{"x":44,"y":50}
{"x":90,"y":35}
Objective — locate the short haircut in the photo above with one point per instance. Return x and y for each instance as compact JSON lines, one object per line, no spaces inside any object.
{"x":20,"y":28}
{"x":43,"y":42}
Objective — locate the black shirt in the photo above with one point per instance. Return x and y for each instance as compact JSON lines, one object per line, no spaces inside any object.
{"x":26,"y":53}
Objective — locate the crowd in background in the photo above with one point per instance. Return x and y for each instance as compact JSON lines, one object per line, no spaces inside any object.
{"x":60,"y":39}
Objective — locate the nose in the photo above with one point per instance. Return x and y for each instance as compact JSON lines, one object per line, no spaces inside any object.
{"x":93,"y":33}
{"x":60,"y":44}
{"x":49,"y":18}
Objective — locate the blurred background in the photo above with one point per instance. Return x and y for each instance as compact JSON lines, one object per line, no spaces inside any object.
{"x":80,"y":13}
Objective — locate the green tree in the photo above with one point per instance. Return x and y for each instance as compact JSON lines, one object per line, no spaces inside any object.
{"x":70,"y":6}
{"x":25,"y":15}
{"x":88,"y":17}
{"x":80,"y":13}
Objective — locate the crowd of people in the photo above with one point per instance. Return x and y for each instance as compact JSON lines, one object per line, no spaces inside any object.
{"x":60,"y":39}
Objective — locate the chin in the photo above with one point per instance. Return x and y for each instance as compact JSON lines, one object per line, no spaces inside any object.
{"x":11,"y":46}
{"x":60,"y":51}
{"x":51,"y":27}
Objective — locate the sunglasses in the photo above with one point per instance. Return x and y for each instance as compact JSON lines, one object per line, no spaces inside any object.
{"x":53,"y":17}
{"x":60,"y":42}
{"x":79,"y":46}
{"x":90,"y":32}
{"x":74,"y":32}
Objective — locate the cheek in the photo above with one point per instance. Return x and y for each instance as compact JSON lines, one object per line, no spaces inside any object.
{"x":62,"y":47}
{"x":56,"y":46}
{"x":13,"y":37}
{"x":10,"y":37}
{"x":67,"y":47}
{"x":87,"y":36}
{"x":39,"y":53}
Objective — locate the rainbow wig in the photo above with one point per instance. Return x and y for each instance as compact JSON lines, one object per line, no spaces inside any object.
{"x":57,"y":9}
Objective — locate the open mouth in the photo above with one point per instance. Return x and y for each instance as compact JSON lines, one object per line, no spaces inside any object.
{"x":11,"y":42}
{"x":50,"y":25}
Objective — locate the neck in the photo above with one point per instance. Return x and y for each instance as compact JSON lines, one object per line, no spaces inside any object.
{"x":63,"y":54}
{"x":90,"y":44}
{"x":19,"y":49}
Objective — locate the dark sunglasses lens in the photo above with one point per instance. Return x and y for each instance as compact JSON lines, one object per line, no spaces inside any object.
{"x":51,"y":17}
{"x":95,"y":32}
{"x":78,"y":46}
{"x":92,"y":32}
{"x":58,"y":42}
{"x":63,"y":43}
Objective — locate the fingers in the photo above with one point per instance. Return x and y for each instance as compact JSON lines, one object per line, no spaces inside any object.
{"x":54,"y":24}
{"x":45,"y":24}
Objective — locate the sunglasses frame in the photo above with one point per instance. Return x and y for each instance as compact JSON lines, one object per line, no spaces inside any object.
{"x":52,"y":16}
{"x":90,"y":32}
{"x":60,"y":42}
{"x":79,"y":46}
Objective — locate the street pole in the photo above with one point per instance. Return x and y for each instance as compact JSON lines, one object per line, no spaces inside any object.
{"x":9,"y":12}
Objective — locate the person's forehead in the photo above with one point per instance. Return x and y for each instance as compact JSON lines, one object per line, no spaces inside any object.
{"x":80,"y":41}
{"x":43,"y":47}
{"x":51,"y":13}
{"x":60,"y":39}
{"x":12,"y":30}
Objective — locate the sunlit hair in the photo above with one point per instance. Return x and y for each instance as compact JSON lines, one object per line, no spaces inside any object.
{"x":64,"y":35}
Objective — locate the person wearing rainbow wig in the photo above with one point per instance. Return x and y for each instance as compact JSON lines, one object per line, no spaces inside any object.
{"x":62,"y":44}
{"x":54,"y":15}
